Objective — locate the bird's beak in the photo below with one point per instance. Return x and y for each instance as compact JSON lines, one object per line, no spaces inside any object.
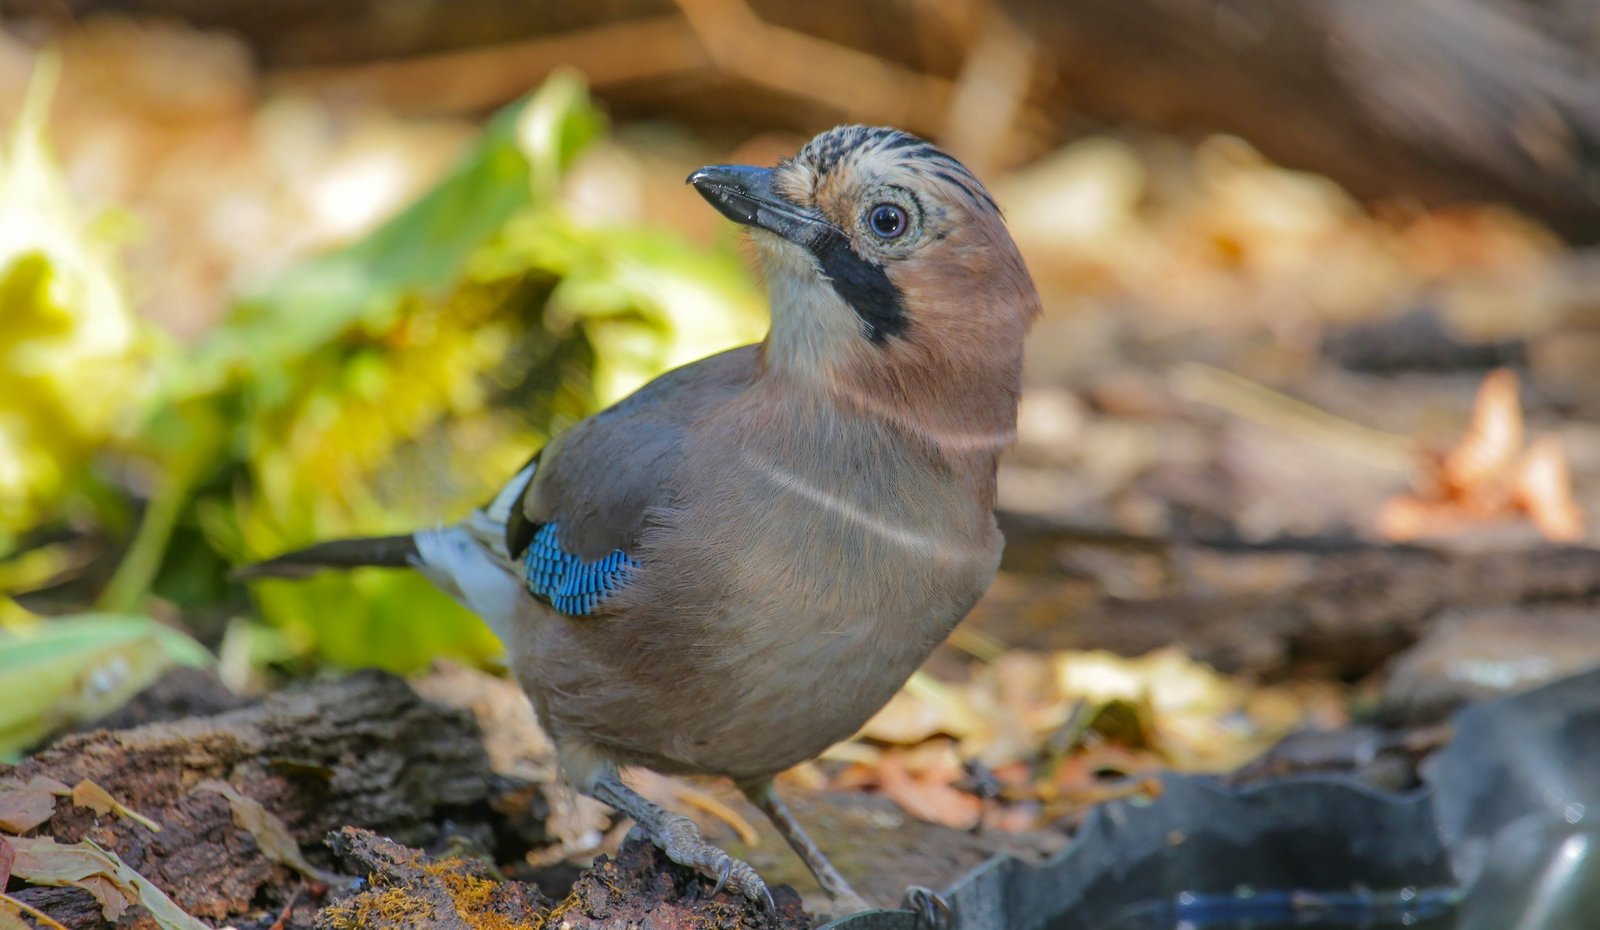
{"x":745,"y":195}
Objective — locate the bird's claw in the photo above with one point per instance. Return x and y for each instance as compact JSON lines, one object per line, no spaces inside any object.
{"x":723,"y":874}
{"x":682,"y":843}
{"x":932,"y":910}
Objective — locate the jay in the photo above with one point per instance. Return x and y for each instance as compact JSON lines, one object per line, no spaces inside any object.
{"x":736,"y":566}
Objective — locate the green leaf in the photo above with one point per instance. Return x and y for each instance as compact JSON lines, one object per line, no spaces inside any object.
{"x":68,"y":670}
{"x":423,"y":249}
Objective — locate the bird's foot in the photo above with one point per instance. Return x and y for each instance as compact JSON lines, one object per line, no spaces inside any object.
{"x":679,"y":837}
{"x":932,"y":910}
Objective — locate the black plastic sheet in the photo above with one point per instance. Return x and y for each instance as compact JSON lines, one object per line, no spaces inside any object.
{"x":1504,"y":836}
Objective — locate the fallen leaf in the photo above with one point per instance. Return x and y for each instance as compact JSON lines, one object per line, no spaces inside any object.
{"x":7,"y":856}
{"x":275,"y":840}
{"x":1544,"y":488}
{"x":112,"y":901}
{"x":928,"y":797}
{"x":1487,"y":476}
{"x":41,"y":860}
{"x":24,"y":806}
{"x":1492,"y":440}
{"x":80,"y":668}
{"x":88,"y":794}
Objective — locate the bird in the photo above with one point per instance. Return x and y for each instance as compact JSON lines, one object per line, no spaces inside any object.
{"x":736,"y":566}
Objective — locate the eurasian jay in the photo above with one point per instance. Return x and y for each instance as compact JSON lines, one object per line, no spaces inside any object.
{"x":735,"y":567}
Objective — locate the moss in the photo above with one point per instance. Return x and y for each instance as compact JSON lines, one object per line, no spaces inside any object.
{"x":389,"y":907}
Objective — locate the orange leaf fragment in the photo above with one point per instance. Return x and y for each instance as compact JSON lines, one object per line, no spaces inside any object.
{"x":1492,"y":441}
{"x":1544,"y":488}
{"x":1488,"y":475}
{"x":926,"y":796}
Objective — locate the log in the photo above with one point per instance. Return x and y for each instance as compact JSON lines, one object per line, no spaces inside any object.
{"x":1432,"y":101}
{"x":1438,"y":101}
{"x":364,"y":750}
{"x":638,"y":888}
{"x":1347,"y":605}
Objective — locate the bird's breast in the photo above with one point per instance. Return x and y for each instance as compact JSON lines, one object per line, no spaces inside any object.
{"x":800,"y":574}
{"x":836,"y":571}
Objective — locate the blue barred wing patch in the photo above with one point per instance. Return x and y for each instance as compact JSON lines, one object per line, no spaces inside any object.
{"x":569,"y":584}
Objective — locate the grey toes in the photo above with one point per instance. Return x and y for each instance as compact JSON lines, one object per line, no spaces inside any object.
{"x":684,"y":845}
{"x":932,"y":910}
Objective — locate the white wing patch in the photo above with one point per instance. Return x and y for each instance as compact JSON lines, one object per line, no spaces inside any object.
{"x":468,"y":561}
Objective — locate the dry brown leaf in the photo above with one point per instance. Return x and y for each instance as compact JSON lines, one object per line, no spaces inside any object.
{"x":88,"y":794}
{"x":1544,"y":488}
{"x":7,"y":856}
{"x":112,"y":901}
{"x":271,"y":835}
{"x":1488,"y":476}
{"x":926,"y":795}
{"x":1483,"y":456}
{"x":24,"y":806}
{"x":41,"y":860}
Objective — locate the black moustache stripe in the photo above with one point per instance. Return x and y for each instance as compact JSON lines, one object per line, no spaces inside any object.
{"x":864,"y":286}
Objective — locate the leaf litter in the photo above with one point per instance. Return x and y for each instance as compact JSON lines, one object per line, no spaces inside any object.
{"x":40,"y":860}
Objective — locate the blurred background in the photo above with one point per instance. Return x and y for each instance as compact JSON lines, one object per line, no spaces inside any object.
{"x":1310,"y":425}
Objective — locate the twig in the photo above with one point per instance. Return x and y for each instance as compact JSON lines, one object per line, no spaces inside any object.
{"x":288,"y":909}
{"x":473,"y":79}
{"x":1262,"y":405}
{"x":694,"y":797}
{"x":862,"y":86}
{"x":991,"y":92}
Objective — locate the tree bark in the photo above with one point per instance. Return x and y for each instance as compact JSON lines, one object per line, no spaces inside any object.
{"x":362,"y":750}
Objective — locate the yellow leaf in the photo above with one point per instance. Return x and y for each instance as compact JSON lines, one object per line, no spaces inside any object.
{"x":271,"y":835}
{"x":87,"y":865}
{"x":88,"y":794}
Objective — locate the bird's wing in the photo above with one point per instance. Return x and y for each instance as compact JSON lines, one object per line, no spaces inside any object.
{"x":576,"y":533}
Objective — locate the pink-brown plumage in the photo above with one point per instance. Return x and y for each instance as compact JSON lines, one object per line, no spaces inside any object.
{"x":809,"y":516}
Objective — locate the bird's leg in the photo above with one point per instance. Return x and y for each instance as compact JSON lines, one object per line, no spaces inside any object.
{"x":762,"y":795}
{"x":679,"y":837}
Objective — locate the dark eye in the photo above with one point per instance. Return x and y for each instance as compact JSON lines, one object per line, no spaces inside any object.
{"x":888,"y":221}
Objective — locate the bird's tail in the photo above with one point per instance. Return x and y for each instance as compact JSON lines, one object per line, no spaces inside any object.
{"x":380,"y":551}
{"x":468,"y":560}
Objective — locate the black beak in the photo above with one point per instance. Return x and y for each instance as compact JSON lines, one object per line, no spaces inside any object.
{"x":745,"y":195}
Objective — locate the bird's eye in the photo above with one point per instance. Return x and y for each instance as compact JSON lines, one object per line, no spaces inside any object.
{"x":888,"y":221}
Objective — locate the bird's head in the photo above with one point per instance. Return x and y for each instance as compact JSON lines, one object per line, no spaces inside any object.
{"x":890,"y":269}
